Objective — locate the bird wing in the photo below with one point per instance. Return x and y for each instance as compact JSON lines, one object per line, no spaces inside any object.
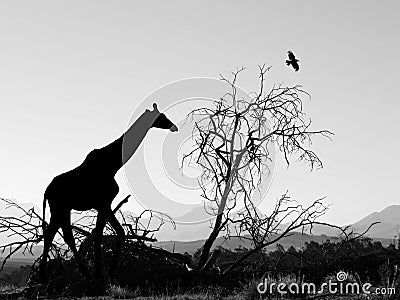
{"x":295,"y":65}
{"x":291,"y":56}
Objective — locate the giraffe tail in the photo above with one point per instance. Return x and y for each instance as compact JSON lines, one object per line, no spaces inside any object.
{"x":44,"y":224}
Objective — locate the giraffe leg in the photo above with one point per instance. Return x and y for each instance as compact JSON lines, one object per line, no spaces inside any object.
{"x":98,"y":234}
{"x":120,"y":238}
{"x":49,"y":234}
{"x":69,"y":239}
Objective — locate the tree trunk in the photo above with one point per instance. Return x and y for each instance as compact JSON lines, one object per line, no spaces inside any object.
{"x":209,"y":242}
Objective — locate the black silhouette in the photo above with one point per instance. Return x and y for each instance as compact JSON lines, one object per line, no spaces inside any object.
{"x":292,"y":61}
{"x":92,"y":186}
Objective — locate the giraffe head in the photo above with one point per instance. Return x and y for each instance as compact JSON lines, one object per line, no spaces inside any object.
{"x":161,"y":121}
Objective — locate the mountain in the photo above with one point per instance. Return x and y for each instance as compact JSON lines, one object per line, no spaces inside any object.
{"x":296,"y":240}
{"x":389,"y":226}
{"x":7,"y":210}
{"x":24,"y":257}
{"x":193,"y":228}
{"x":190,"y":226}
{"x":187,"y":231}
{"x":185,"y":236}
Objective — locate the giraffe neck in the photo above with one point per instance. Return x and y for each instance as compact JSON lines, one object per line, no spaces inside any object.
{"x":134,"y":136}
{"x":110,"y":158}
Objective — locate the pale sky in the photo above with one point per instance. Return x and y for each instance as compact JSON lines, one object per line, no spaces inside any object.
{"x":73,"y":72}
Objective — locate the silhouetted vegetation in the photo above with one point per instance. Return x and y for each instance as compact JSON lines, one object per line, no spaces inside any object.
{"x":148,"y":271}
{"x":316,"y":261}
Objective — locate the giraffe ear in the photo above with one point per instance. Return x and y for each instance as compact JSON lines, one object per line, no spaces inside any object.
{"x":155,"y":107}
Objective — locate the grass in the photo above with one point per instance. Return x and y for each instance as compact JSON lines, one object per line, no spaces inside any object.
{"x":6,"y":288}
{"x":176,"y":297}
{"x":118,"y":292}
{"x":236,"y":297}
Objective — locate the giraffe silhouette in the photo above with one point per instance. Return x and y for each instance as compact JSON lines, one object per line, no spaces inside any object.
{"x":92,"y":185}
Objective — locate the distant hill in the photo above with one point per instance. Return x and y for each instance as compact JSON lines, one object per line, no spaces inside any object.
{"x":26,"y":257}
{"x":296,"y":240}
{"x":13,"y":211}
{"x":387,"y":229}
{"x":189,"y":237}
{"x":190,"y":226}
{"x":389,"y":226}
{"x":193,"y":225}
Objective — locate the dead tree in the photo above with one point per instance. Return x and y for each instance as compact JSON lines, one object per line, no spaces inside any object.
{"x":286,"y":218}
{"x":232,"y":146}
{"x":23,"y":229}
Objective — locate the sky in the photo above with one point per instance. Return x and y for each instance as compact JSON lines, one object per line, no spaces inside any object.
{"x":73,"y":73}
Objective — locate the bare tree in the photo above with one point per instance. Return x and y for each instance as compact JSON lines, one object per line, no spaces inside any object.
{"x":286,"y":218}
{"x":233,"y":142}
{"x":24,"y":229}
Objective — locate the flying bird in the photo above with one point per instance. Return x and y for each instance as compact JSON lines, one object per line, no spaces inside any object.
{"x":292,"y":61}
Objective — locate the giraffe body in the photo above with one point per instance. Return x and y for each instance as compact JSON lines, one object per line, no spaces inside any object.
{"x":99,"y":188}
